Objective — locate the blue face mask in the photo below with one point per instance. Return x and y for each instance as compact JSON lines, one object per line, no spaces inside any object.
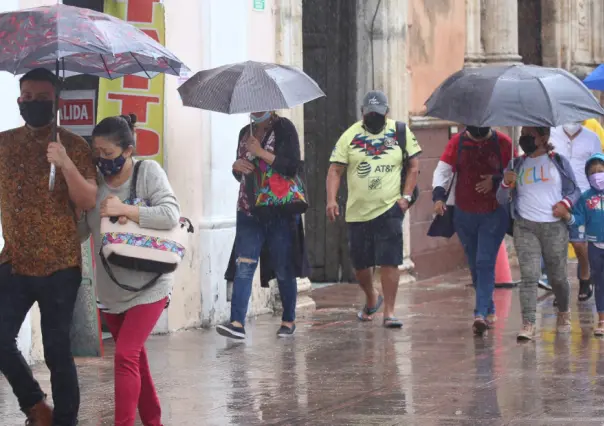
{"x":262,"y":118}
{"x":111,"y":167}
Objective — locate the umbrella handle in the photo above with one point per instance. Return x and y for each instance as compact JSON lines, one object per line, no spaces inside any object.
{"x":51,"y":178}
{"x":53,"y":168}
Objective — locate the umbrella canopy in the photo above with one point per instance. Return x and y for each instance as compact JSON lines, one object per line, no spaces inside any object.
{"x":595,"y":80}
{"x":74,"y":41}
{"x":249,"y":87}
{"x":80,"y":41}
{"x":516,"y":95}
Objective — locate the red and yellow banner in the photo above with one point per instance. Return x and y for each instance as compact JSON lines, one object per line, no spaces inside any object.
{"x":138,"y":95}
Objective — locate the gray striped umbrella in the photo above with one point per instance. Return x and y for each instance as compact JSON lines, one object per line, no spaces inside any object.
{"x":249,"y":87}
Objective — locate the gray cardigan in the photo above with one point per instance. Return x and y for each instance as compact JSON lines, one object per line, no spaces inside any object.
{"x":164,"y":213}
{"x":570,"y":190}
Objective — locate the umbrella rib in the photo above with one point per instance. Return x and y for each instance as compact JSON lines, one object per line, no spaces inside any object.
{"x":172,"y":68}
{"x":234,"y":86}
{"x":549,"y":101}
{"x":106,"y":67}
{"x":140,"y":65}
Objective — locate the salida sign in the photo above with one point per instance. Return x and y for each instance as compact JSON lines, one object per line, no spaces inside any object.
{"x":77,"y":111}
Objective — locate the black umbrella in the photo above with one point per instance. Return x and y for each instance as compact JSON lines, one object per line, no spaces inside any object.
{"x":513,"y":95}
{"x":70,"y":41}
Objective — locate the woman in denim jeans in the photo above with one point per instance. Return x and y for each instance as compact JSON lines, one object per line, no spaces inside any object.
{"x":542,"y":188}
{"x":275,"y":238}
{"x":476,"y":157}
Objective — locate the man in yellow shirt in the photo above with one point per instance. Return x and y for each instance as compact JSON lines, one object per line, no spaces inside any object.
{"x":595,"y":126}
{"x":373,"y":152}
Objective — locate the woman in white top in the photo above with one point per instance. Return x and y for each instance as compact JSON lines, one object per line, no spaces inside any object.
{"x":542,"y":188}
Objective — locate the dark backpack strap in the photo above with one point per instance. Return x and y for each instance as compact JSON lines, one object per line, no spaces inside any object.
{"x":401,"y":138}
{"x":456,"y":169}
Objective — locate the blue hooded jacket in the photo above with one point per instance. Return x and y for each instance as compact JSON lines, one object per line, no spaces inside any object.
{"x":589,"y":210}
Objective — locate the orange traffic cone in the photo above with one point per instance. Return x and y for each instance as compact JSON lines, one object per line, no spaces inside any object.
{"x":503,"y":274}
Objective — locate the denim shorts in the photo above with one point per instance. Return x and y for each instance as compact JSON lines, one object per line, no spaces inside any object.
{"x":576,"y":234}
{"x":377,"y":242}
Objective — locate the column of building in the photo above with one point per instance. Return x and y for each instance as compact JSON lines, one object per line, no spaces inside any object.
{"x":474,"y":56}
{"x":499,"y":29}
{"x":288,"y":49}
{"x":572,"y":35}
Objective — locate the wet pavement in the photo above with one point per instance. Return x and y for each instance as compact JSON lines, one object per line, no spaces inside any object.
{"x":337,"y":371}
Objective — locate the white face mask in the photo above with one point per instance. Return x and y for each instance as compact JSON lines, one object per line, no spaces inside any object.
{"x":572,"y":129}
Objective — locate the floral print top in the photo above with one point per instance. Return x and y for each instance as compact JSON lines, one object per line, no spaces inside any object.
{"x":246,"y":201}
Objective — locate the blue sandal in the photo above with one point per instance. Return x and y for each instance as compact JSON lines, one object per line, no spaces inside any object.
{"x":368,"y":312}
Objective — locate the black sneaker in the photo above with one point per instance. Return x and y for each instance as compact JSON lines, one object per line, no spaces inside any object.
{"x":285,"y":331}
{"x":229,"y":330}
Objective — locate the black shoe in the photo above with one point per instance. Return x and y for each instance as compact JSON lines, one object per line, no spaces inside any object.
{"x":285,"y":331}
{"x":586,"y":290}
{"x":229,"y":330}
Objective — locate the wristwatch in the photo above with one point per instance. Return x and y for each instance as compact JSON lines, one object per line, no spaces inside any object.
{"x":408,"y":198}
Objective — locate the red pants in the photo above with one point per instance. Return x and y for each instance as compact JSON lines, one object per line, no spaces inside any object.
{"x":133,"y":383}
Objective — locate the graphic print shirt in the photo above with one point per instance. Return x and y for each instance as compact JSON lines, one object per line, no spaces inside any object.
{"x":374,"y":164}
{"x":539,"y":187}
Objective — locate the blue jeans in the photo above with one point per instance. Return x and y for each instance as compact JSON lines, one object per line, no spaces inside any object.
{"x":251,"y":235}
{"x":596,"y":266}
{"x":481,"y":235}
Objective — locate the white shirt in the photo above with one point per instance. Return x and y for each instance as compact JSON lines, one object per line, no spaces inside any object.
{"x":539,"y":188}
{"x":578,"y":151}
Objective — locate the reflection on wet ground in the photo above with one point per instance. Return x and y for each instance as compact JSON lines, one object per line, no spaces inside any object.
{"x":337,"y":371}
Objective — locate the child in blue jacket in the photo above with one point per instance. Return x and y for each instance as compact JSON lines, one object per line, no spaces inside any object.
{"x":589,"y":212}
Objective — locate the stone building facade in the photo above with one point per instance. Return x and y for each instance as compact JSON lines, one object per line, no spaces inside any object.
{"x":552,"y":33}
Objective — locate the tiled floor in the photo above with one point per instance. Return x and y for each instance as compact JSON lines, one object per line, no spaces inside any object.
{"x":337,"y":371}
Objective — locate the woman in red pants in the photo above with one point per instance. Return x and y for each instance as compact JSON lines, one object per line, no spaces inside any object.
{"x":130,"y":315}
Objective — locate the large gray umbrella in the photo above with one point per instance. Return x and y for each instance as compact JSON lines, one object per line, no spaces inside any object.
{"x":516,"y":95}
{"x":249,"y":87}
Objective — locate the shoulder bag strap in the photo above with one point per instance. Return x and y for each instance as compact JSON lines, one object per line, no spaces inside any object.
{"x":137,"y":167}
{"x":107,"y":267}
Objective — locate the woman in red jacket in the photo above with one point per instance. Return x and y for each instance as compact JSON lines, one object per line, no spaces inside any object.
{"x":477,"y":157}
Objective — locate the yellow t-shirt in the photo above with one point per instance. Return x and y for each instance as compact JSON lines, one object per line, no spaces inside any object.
{"x":374,"y":164}
{"x":595,"y":126}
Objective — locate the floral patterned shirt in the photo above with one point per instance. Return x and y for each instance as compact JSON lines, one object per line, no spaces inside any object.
{"x":245,"y":199}
{"x":39,"y":226}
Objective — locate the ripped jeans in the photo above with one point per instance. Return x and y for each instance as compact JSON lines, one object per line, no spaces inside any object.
{"x":251,"y":234}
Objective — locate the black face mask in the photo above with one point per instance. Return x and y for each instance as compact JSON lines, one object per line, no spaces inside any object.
{"x":37,"y":113}
{"x":374,"y":123}
{"x":111,"y":167}
{"x":478,"y":132}
{"x":528,"y":144}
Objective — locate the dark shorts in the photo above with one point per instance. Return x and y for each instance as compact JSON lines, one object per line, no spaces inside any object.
{"x":378,"y":242}
{"x":576,"y":234}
